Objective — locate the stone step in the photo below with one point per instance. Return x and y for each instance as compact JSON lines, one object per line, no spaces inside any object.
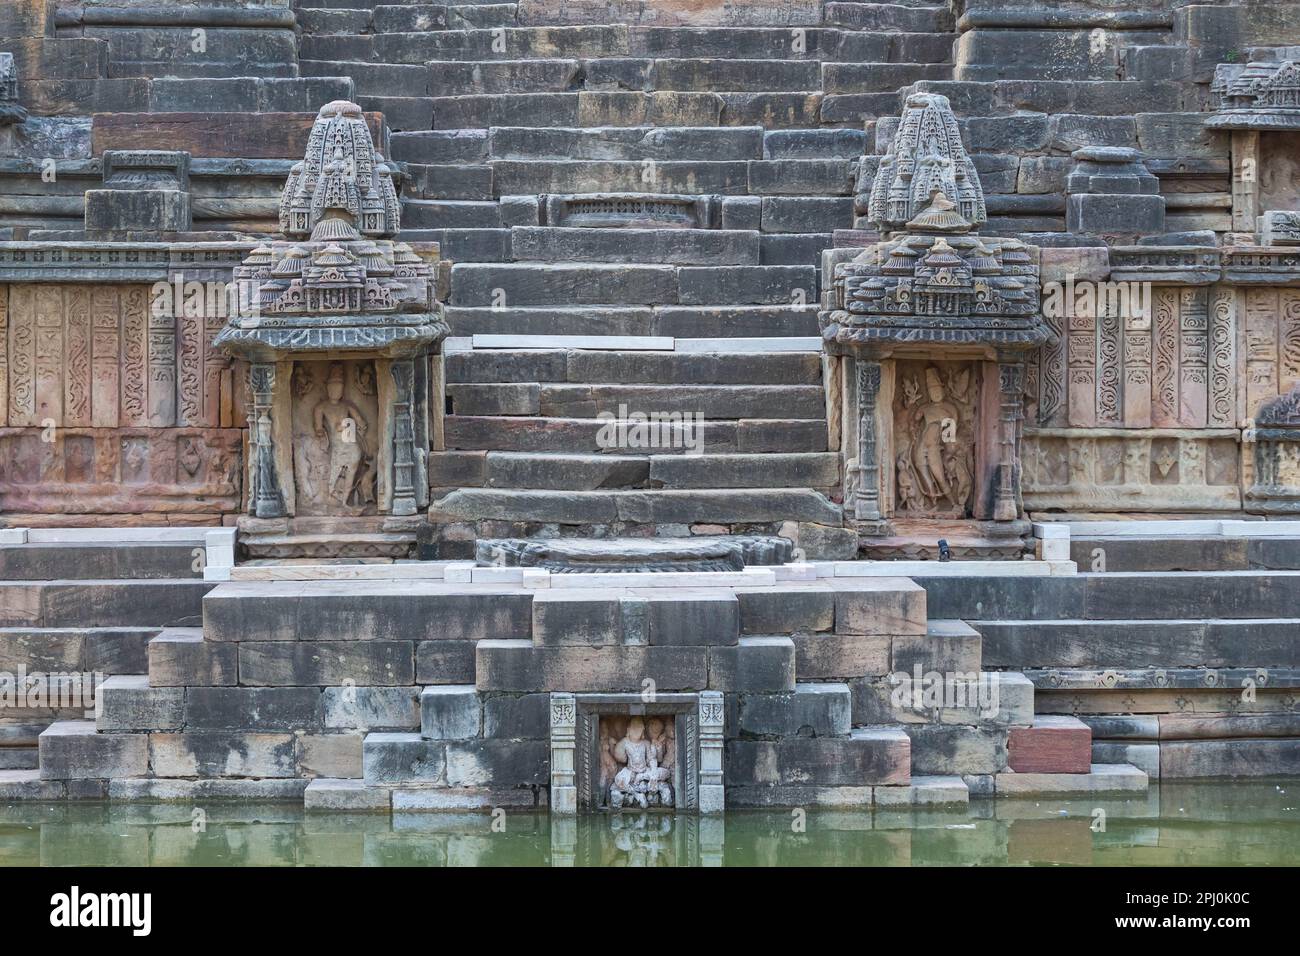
{"x":593,"y":472}
{"x":1179,"y":553}
{"x":104,"y":650}
{"x":691,"y":177}
{"x":1127,"y":643}
{"x":626,"y":143}
{"x":879,"y":77}
{"x":19,"y":758}
{"x":81,"y":561}
{"x":1054,"y":744}
{"x":866,"y":757}
{"x":630,"y":368}
{"x":1100,"y":778}
{"x":107,"y":603}
{"x":722,"y":247}
{"x":890,"y":16}
{"x":563,"y":284}
{"x":670,"y":321}
{"x":1119,"y":596}
{"x":651,"y":507}
{"x":713,"y":402}
{"x":408,"y":760}
{"x":450,"y":214}
{"x":353,"y":796}
{"x":456,"y":146}
{"x":621,"y":436}
{"x":127,"y":703}
{"x":20,"y":785}
{"x":627,"y":622}
{"x":18,"y":732}
{"x":72,"y":750}
{"x":180,"y":657}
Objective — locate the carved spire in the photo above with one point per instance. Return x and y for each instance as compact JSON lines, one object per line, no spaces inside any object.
{"x":341,"y":178}
{"x":927,"y":157}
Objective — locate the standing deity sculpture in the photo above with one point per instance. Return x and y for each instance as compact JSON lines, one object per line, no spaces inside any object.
{"x":338,"y":421}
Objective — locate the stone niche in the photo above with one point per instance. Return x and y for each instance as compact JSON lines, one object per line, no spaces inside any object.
{"x":928,"y":331}
{"x":338,"y":323}
{"x":616,"y":752}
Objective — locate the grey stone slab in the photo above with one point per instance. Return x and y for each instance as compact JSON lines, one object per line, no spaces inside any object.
{"x":392,"y":759}
{"x":345,"y":795}
{"x":513,"y":716}
{"x":252,"y":708}
{"x":499,"y":764}
{"x":786,"y":610}
{"x":130,"y":703}
{"x":370,"y":708}
{"x":518,"y":666}
{"x":940,"y":749}
{"x":329,"y":755}
{"x":813,"y":710}
{"x":868,"y":757}
{"x":222,"y":755}
{"x":450,"y":712}
{"x":444,"y":662}
{"x":179,"y":657}
{"x":299,"y":663}
{"x":72,"y":750}
{"x":754,"y":664}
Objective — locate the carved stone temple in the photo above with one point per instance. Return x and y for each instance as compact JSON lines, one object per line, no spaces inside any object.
{"x":931,"y":329}
{"x":648,"y":410}
{"x":337,"y":323}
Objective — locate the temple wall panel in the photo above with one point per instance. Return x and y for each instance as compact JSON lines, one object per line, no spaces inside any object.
{"x":108,"y":406}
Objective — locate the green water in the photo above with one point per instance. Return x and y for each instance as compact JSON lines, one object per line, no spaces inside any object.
{"x":1255,"y":823}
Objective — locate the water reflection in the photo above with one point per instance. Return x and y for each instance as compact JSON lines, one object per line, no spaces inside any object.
{"x":1256,"y":823}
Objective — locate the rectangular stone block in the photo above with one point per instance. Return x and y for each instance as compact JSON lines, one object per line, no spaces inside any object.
{"x":180,"y":657}
{"x":519,"y":666}
{"x":284,"y":664}
{"x":71,"y":750}
{"x":219,"y":135}
{"x":941,"y":749}
{"x":371,"y":708}
{"x":821,"y":656}
{"x":1226,"y":758}
{"x":697,"y":619}
{"x":881,"y":606}
{"x":1054,"y":744}
{"x":330,"y":755}
{"x":867,"y":757}
{"x":1146,"y":757}
{"x":584,"y":618}
{"x":392,"y":759}
{"x":510,"y":716}
{"x":753,"y":664}
{"x":347,"y":795}
{"x":450,"y":712}
{"x":252,"y":708}
{"x":129,"y":703}
{"x":1101,"y":778}
{"x":499,"y":764}
{"x":816,"y":710}
{"x":223,"y":755}
{"x":464,"y":798}
{"x":946,"y":646}
{"x":444,"y":662}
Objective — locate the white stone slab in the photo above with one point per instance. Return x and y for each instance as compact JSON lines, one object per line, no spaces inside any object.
{"x":13,"y":535}
{"x":795,"y":571}
{"x":1051,"y":529}
{"x":618,"y":343}
{"x":457,"y":343}
{"x":458,"y":572}
{"x":116,"y":535}
{"x":1101,"y":778}
{"x":422,"y":571}
{"x":1260,"y":529}
{"x":750,"y":577}
{"x":954,"y":569}
{"x":810,"y":343}
{"x":497,"y":575}
{"x":535,"y":579}
{"x":1192,"y":528}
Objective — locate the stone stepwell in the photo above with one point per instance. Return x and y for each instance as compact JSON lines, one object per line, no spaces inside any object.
{"x":436,"y":694}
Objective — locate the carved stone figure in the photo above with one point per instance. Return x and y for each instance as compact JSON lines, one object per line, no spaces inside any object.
{"x":641,"y":781}
{"x":934,"y":430}
{"x":338,"y":421}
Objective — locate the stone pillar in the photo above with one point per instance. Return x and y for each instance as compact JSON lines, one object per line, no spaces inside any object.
{"x":1245,"y":179}
{"x":866,"y":484}
{"x":712,"y":795}
{"x":404,"y":497}
{"x":564,"y":733}
{"x":1011,"y":383}
{"x":264,"y":499}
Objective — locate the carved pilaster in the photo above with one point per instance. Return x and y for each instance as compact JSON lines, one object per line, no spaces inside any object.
{"x":1010,"y":412}
{"x":564,"y":731}
{"x":265,"y":499}
{"x":711,"y":798}
{"x":404,"y":497}
{"x":866,"y":479}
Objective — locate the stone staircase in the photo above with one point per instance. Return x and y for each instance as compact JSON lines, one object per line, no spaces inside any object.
{"x":657,"y":194}
{"x":1201,"y":661}
{"x":432,"y":694}
{"x":72,"y":614}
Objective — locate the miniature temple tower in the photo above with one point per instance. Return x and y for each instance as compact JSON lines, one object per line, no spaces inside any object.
{"x":931,"y":327}
{"x":337,"y":323}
